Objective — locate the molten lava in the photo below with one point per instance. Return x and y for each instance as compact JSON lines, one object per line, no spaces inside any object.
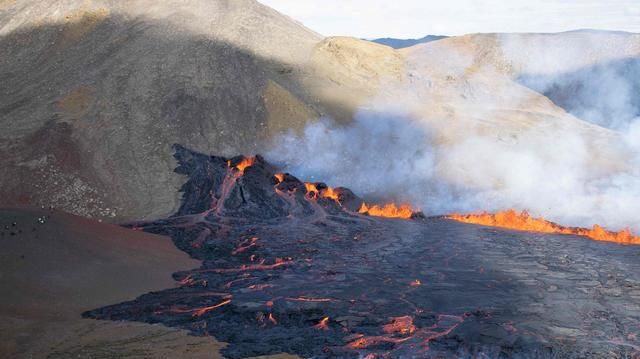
{"x":246,"y":162}
{"x":246,"y":244}
{"x":402,"y":325}
{"x":313,"y":191}
{"x":389,"y":210}
{"x":323,"y":324}
{"x":305,"y":299}
{"x":202,"y":311}
{"x":524,"y":222}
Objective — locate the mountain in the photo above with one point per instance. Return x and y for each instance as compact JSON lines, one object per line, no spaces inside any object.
{"x":94,"y":94}
{"x":402,"y":43}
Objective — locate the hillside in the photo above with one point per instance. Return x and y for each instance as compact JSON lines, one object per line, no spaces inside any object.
{"x":94,"y":94}
{"x":93,"y":97}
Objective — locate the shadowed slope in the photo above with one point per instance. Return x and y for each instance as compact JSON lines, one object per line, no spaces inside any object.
{"x":92,"y":97}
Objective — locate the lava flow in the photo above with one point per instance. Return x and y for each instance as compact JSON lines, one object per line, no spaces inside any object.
{"x":328,"y":192}
{"x":389,"y":210}
{"x":315,"y":191}
{"x":525,"y":222}
{"x":306,"y":269}
{"x":246,"y":162}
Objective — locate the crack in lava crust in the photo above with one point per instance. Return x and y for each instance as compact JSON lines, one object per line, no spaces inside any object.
{"x":293,"y":267}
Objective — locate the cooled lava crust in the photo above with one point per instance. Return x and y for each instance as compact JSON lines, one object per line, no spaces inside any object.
{"x":287,"y":270}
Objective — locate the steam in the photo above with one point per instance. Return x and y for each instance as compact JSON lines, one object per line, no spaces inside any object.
{"x":374,"y":155}
{"x":562,"y":174}
{"x":393,"y":157}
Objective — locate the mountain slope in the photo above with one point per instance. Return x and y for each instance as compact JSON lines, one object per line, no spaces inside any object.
{"x":94,"y":94}
{"x":94,"y":97}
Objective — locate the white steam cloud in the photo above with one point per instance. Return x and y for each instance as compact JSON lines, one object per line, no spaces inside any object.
{"x":560,"y":173}
{"x":374,"y":155}
{"x":391,"y":157}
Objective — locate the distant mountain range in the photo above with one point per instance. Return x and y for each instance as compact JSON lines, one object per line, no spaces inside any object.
{"x":402,"y":43}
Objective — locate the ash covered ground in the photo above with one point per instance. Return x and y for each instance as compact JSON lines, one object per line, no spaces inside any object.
{"x":286,"y":269}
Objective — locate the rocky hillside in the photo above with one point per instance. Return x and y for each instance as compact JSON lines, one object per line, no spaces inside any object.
{"x":93,"y":94}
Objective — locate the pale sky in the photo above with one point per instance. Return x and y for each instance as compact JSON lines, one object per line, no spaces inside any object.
{"x":416,"y":18}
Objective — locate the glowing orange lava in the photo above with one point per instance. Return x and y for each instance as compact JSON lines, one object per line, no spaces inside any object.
{"x":197,"y":312}
{"x":402,"y":325}
{"x":325,"y":193}
{"x":323,"y":324}
{"x":204,"y":310}
{"x":246,"y":244}
{"x":246,"y":162}
{"x":280,"y":177}
{"x":389,"y":210}
{"x":306,"y":299}
{"x":524,"y":222}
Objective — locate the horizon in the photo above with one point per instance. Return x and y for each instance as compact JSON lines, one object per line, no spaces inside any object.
{"x":415,"y":19}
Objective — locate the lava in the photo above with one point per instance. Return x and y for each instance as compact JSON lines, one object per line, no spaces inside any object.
{"x":402,"y":325}
{"x":525,"y":222}
{"x":314,"y":191}
{"x":249,"y":267}
{"x":322,"y":325}
{"x":286,"y":268}
{"x":202,"y":311}
{"x":245,"y":245}
{"x":197,"y":312}
{"x":389,"y":210}
{"x":316,"y":300}
{"x":246,"y":162}
{"x":366,"y":342}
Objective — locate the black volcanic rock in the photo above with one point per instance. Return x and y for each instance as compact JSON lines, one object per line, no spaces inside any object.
{"x":288,"y":270}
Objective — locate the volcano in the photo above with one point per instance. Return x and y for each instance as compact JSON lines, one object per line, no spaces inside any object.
{"x":299,"y":268}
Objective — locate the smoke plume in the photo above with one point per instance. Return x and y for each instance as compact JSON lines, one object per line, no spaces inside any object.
{"x":388,"y":154}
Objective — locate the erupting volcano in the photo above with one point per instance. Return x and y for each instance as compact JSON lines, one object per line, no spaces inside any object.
{"x":524,"y":222}
{"x":311,"y":270}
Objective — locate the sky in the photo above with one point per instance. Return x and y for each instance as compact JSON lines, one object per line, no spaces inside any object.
{"x":417,"y":18}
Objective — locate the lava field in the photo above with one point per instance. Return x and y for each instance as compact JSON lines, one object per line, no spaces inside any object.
{"x":289,"y":267}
